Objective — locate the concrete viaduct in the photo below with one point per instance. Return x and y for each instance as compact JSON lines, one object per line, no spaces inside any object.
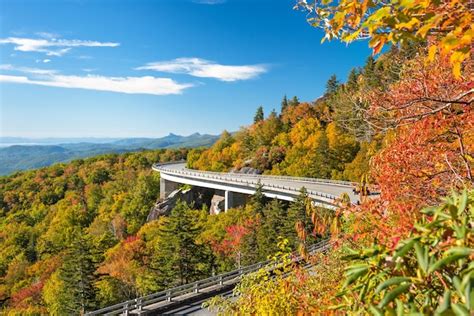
{"x":235,"y":187}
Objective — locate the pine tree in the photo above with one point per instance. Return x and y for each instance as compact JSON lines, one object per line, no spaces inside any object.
{"x":298,"y":215}
{"x":271,"y":228}
{"x":77,"y":276}
{"x":295,"y":101}
{"x":321,"y":161}
{"x":332,"y":85}
{"x":352,"y":80}
{"x":250,"y":246}
{"x":258,"y":200}
{"x":284,"y":104}
{"x":273,"y":114}
{"x":249,"y":251}
{"x":259,"y":115}
{"x":178,"y":257}
{"x":371,"y":78}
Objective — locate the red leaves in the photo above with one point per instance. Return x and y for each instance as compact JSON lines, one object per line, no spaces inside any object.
{"x":130,"y":239}
{"x":234,"y":237}
{"x":427,"y":156}
{"x":31,"y":292}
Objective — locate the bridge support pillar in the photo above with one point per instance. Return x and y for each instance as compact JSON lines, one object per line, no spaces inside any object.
{"x":229,"y":200}
{"x":234,"y":199}
{"x":166,"y":187}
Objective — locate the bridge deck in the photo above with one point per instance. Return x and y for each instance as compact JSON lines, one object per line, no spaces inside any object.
{"x":329,"y":188}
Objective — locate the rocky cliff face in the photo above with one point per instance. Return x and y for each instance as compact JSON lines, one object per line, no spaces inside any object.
{"x":246,"y":170}
{"x":195,"y":196}
{"x":217,"y":204}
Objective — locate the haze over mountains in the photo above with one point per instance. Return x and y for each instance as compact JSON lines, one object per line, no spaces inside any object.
{"x":18,"y":153}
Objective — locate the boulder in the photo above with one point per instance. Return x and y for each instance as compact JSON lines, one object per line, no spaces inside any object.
{"x":197,"y":197}
{"x":217,"y":204}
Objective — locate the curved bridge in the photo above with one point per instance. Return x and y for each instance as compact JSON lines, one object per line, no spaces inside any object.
{"x":234,"y":185}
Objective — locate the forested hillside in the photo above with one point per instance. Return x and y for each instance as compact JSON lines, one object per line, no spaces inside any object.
{"x":56,"y":220}
{"x":24,"y":157}
{"x":408,"y":116}
{"x":327,"y":138}
{"x":85,"y":222}
{"x":75,"y":237}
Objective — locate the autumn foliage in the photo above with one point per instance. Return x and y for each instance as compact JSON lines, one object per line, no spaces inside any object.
{"x":429,"y":145}
{"x":447,"y":25}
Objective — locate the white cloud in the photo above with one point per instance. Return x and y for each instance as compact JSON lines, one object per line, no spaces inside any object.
{"x":34,"y":71}
{"x":45,"y":61}
{"x":51,"y":46}
{"x":47,"y":35}
{"x":130,"y":85}
{"x":207,"y":69}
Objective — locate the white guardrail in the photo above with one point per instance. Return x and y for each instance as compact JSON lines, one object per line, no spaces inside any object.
{"x":137,"y":306}
{"x":254,"y":180}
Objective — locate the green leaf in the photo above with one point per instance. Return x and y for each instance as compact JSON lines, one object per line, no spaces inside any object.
{"x":375,"y":310}
{"x":363,"y":292}
{"x":403,"y":250}
{"x":457,"y":284}
{"x":445,"y":304}
{"x":393,"y":294}
{"x":465,"y":251}
{"x":354,"y":274}
{"x":468,"y":294}
{"x":445,"y":261}
{"x":399,"y":307}
{"x":396,"y":280}
{"x":422,"y":256}
{"x":355,"y":267}
{"x":430,"y":210}
{"x":460,"y":310}
{"x":463,"y":204}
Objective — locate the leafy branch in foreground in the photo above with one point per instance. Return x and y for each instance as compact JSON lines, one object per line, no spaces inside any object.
{"x":446,"y":25}
{"x":431,"y":272}
{"x":258,"y":293}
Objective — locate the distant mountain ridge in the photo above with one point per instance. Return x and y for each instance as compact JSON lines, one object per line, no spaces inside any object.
{"x":46,"y":152}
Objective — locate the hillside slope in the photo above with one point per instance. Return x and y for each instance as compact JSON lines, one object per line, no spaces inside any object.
{"x":24,"y":157}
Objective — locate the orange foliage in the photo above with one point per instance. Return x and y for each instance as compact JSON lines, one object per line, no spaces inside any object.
{"x":294,"y":114}
{"x":121,"y":261}
{"x":31,"y":295}
{"x":432,"y":150}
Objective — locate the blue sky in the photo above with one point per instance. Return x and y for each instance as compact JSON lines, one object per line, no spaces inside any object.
{"x":88,"y":68}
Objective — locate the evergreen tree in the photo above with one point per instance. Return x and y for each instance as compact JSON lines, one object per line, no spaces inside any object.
{"x":178,"y":258}
{"x":77,"y":276}
{"x":321,"y":161}
{"x":352,"y":80}
{"x":250,"y":249}
{"x":297,"y":214}
{"x":258,"y":201}
{"x":271,"y":228}
{"x":259,"y":115}
{"x":273,"y":114}
{"x":332,"y":85}
{"x":284,"y":104}
{"x":370,"y":76}
{"x":250,"y":246}
{"x":294,"y":101}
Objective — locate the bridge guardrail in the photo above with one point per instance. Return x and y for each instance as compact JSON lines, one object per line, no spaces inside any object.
{"x":235,"y":177}
{"x":264,"y":176}
{"x":137,"y":305}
